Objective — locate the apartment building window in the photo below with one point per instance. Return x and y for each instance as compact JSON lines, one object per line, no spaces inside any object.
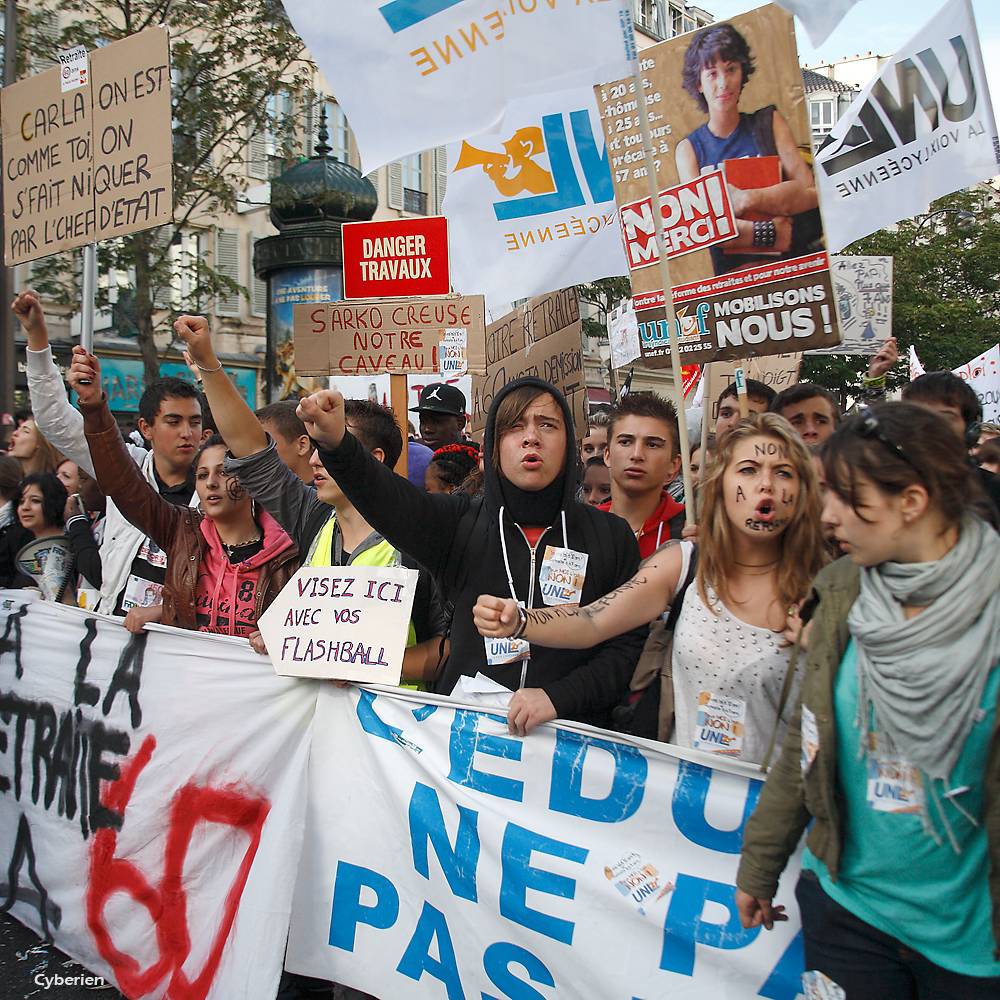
{"x":270,"y":145}
{"x":821,"y":115}
{"x":651,"y":16}
{"x":414,"y":196}
{"x":227,"y":262}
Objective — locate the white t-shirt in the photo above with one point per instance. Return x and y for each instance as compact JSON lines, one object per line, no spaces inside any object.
{"x":728,"y":677}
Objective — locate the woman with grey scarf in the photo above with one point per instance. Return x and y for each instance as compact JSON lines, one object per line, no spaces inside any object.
{"x":894,"y":752}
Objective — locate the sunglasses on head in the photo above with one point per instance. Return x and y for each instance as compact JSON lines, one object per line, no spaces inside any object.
{"x":867,"y":425}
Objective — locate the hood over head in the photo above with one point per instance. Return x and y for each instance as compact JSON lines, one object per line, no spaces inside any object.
{"x":499,"y":490}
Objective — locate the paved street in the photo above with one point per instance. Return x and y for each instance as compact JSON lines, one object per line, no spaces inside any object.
{"x":28,"y":967}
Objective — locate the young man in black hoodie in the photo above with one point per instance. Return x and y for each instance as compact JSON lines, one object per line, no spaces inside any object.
{"x":528,"y":536}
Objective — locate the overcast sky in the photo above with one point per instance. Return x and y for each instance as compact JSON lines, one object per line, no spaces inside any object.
{"x":881,"y":26}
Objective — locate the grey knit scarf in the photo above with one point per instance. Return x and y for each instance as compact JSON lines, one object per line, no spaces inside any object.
{"x":925,"y":677}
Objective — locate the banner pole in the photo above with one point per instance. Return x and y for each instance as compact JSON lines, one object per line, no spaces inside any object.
{"x":87,"y":297}
{"x":398,"y":397}
{"x":668,"y":298}
{"x":706,"y":407}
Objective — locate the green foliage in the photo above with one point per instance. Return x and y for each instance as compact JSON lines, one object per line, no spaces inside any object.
{"x":228,"y":57}
{"x":605,"y":294}
{"x":946,"y":290}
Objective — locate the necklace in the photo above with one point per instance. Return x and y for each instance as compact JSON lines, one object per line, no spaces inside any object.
{"x":239,"y":545}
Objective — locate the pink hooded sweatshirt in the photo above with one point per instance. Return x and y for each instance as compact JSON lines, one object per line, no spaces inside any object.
{"x":225,"y":596}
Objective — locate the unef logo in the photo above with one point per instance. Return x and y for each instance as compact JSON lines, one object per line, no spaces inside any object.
{"x":403,"y":14}
{"x":516,"y":170}
{"x":690,"y":326}
{"x":872,"y":136}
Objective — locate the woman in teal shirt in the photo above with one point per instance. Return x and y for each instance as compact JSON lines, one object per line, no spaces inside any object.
{"x":894,"y":753}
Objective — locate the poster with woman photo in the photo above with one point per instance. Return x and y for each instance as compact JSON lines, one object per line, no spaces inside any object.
{"x":741,"y":219}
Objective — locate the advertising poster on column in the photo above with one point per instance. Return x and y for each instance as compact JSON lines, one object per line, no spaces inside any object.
{"x":290,"y":287}
{"x":741,"y":216}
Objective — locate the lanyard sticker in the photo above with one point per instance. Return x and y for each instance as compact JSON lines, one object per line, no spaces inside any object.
{"x":562,"y":575}
{"x":810,"y":739}
{"x":501,"y":651}
{"x":894,"y":784}
{"x":817,"y":986}
{"x":720,"y":724}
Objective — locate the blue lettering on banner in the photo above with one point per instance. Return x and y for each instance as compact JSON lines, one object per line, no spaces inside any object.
{"x":688,"y":806}
{"x":416,"y":959}
{"x":518,"y":876}
{"x":785,"y":981}
{"x":627,"y":785}
{"x":459,"y":864}
{"x":370,"y":721}
{"x":348,"y":911}
{"x":684,"y":926}
{"x":466,"y":739}
{"x":595,"y":165}
{"x":403,"y":14}
{"x":568,"y":193}
{"x":496,"y":962}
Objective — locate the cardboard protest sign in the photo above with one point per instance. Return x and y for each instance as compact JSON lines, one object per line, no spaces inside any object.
{"x":401,"y":336}
{"x":864,"y":303}
{"x":578,"y":861}
{"x":153,"y":800}
{"x":94,"y":161}
{"x":48,"y":191}
{"x":740,"y":214}
{"x":778,"y":371}
{"x":347,"y":622}
{"x":133,"y":138}
{"x":540,"y":338}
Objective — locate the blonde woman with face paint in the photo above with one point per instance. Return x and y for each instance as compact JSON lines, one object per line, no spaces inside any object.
{"x":759,"y":547}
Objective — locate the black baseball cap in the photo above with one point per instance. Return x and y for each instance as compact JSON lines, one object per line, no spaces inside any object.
{"x":439,"y":397}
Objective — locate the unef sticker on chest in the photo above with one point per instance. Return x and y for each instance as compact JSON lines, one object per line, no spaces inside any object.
{"x":894,"y":784}
{"x":720,"y":724}
{"x":562,"y":575}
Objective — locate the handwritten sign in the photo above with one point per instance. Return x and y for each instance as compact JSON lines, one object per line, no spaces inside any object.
{"x":401,"y":336}
{"x":540,"y":338}
{"x":133,"y":142}
{"x":348,"y":622}
{"x":864,"y":303}
{"x":92,"y":162}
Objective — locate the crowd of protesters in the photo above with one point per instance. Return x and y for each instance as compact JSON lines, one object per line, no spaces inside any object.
{"x":826,"y":603}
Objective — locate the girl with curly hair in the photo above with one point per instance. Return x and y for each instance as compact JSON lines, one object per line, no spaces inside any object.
{"x":759,"y":548}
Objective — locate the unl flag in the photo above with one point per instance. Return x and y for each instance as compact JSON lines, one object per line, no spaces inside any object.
{"x":818,"y":18}
{"x":924,"y":127}
{"x":532,"y":208}
{"x":414,"y":74}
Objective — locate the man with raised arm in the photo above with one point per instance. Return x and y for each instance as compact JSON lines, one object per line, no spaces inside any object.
{"x":528,"y":535}
{"x":326,"y":537}
{"x":134,"y":567}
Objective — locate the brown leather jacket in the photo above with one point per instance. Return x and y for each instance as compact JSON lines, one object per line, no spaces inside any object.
{"x":177,"y":530}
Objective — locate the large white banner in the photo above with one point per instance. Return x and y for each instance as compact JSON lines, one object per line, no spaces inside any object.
{"x":924,"y":127}
{"x":444,"y":857}
{"x":152,"y":796}
{"x":532,"y":208}
{"x":413,"y":74}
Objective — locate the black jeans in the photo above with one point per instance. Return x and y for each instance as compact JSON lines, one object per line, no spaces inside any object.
{"x":870,"y":965}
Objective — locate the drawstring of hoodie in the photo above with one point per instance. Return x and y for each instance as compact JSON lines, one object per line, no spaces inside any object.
{"x":510,"y":575}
